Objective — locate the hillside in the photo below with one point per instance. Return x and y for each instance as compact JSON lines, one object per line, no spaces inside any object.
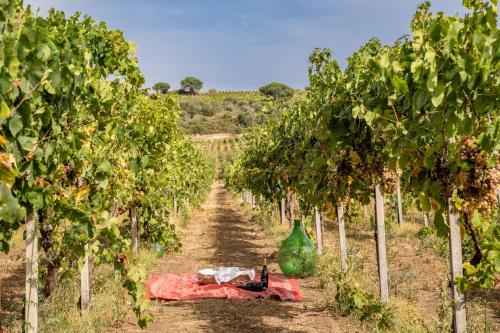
{"x":225,"y":112}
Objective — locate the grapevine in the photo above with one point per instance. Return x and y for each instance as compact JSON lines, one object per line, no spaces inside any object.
{"x":416,"y":112}
{"x":78,"y":145}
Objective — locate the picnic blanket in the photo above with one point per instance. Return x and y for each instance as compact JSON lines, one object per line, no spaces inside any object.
{"x":171,"y":287}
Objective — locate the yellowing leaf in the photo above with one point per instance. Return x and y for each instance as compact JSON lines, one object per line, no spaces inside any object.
{"x":430,"y":55}
{"x":438,"y":97}
{"x":8,"y":171}
{"x":384,"y":61}
{"x":4,"y":110}
{"x":396,"y":66}
{"x":357,"y":110}
{"x":425,"y":203}
{"x":81,"y":192}
{"x":415,"y":65}
{"x":432,"y":81}
{"x":417,"y":39}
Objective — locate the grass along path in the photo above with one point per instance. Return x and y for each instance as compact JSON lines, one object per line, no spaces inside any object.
{"x":221,"y":235}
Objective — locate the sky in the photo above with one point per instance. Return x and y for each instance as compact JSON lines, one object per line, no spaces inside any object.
{"x":244,"y":44}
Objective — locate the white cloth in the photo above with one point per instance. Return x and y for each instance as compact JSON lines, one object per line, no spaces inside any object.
{"x":226,"y":274}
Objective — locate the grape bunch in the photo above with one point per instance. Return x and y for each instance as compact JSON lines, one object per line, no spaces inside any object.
{"x":479,"y":182}
{"x":441,"y":174}
{"x":390,"y":180}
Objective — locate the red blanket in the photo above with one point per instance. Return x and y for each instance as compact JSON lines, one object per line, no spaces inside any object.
{"x":171,"y":287}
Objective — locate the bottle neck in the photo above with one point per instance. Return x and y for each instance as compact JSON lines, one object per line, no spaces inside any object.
{"x":297,"y":225}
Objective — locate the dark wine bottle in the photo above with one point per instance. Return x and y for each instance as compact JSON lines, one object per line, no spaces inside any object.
{"x":258,"y":285}
{"x":264,"y":275}
{"x":253,"y":286}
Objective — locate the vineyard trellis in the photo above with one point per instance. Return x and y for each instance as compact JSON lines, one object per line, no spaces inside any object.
{"x":420,"y":115}
{"x":81,"y":144}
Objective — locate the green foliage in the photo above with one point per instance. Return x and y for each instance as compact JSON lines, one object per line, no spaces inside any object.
{"x":423,"y":110}
{"x":350,"y":300}
{"x":161,"y":87}
{"x":207,"y":110}
{"x":110,"y":307}
{"x":221,"y":112}
{"x":190,"y":85}
{"x":11,"y":214}
{"x":229,"y":111}
{"x":243,"y":120}
{"x":80,"y":142}
{"x":483,"y":275}
{"x":276,"y":90}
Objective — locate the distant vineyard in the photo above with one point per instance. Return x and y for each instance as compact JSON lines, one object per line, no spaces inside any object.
{"x":223,"y":150}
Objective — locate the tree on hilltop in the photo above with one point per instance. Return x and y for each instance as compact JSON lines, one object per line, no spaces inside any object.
{"x":161,"y":87}
{"x":191,"y":85}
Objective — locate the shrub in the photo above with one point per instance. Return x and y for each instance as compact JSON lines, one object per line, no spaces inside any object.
{"x":276,"y":90}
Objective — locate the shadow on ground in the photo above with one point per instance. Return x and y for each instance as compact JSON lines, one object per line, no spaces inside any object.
{"x":11,"y":295}
{"x":241,"y":244}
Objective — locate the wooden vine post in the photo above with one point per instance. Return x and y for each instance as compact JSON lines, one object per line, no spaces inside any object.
{"x":426,"y":219}
{"x":498,"y":197}
{"x":282,"y":211}
{"x":31,"y":285}
{"x":319,"y":230}
{"x":380,"y":239}
{"x":135,"y":230}
{"x":342,"y":238}
{"x":85,"y":282}
{"x":400,"y":203}
{"x":175,"y":206}
{"x":455,"y":243}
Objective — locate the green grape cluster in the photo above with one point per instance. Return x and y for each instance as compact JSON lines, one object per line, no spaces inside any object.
{"x":390,"y":180}
{"x":478,"y":181}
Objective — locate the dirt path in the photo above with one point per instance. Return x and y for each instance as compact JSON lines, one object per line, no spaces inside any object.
{"x":219,"y":235}
{"x":11,"y":288}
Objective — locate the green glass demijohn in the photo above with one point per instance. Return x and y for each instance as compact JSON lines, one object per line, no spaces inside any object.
{"x":297,"y":254}
{"x":158,"y":250}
